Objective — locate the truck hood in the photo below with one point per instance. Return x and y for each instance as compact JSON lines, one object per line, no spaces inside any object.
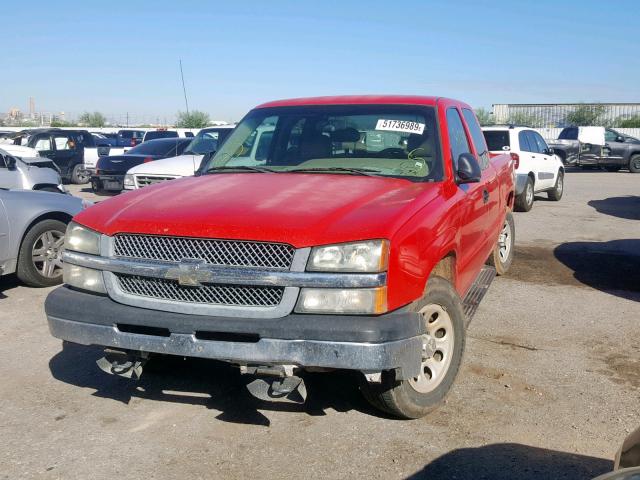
{"x":299,"y":209}
{"x":180,"y":166}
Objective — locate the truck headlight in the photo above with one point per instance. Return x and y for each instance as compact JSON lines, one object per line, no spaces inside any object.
{"x":366,"y":256}
{"x":343,"y":300}
{"x":82,"y":239}
{"x":83,"y":278}
{"x":129,"y":181}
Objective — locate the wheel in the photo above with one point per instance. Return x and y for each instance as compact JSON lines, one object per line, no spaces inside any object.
{"x":524,"y":201}
{"x":613,"y":169}
{"x":442,"y":314}
{"x":40,"y":255}
{"x":502,"y":256}
{"x":79,"y":175}
{"x":634,"y":163}
{"x":558,"y":189}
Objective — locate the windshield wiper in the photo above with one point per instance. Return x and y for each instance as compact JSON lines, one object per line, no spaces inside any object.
{"x":354,"y":171}
{"x":242,"y":168}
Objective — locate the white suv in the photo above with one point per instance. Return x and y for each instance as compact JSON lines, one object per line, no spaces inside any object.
{"x":537,"y":168}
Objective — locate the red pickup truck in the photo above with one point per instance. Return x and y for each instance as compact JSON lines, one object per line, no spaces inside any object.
{"x":356,"y":235}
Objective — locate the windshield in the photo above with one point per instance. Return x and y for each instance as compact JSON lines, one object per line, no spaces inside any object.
{"x":160,"y":134}
{"x":157,"y":147}
{"x":388,"y":140}
{"x":205,"y":142}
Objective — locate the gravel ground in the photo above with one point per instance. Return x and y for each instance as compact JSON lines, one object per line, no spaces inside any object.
{"x":549,"y":387}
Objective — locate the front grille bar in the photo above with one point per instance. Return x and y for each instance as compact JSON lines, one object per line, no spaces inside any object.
{"x":211,"y":274}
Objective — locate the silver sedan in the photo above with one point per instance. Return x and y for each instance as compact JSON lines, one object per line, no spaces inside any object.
{"x":32,"y":227}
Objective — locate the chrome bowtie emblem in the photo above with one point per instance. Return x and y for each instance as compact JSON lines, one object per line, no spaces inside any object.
{"x":188,"y":273}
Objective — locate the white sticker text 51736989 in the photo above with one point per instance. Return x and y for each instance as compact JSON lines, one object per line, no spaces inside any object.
{"x":400,"y":126}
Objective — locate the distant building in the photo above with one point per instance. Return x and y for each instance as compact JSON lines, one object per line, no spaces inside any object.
{"x":554,"y":114}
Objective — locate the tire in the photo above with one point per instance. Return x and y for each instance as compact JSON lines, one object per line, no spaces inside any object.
{"x":415,"y":398}
{"x":612,"y":169}
{"x":634,"y":163}
{"x":77,"y":175}
{"x":502,"y":256}
{"x":95,"y":186}
{"x":558,"y":189}
{"x":45,"y":240}
{"x":524,"y":201}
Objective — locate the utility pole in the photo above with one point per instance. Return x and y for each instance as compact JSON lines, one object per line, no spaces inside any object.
{"x":127,"y":119}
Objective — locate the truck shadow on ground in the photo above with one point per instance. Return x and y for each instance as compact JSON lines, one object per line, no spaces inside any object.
{"x":627,"y":207}
{"x":8,"y":282}
{"x":211,"y":384}
{"x":612,"y":267}
{"x":507,"y":461}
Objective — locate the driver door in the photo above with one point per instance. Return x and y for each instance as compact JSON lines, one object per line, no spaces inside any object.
{"x":614,"y":150}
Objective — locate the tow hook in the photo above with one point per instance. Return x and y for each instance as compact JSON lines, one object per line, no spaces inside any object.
{"x":275,"y":383}
{"x":123,"y":363}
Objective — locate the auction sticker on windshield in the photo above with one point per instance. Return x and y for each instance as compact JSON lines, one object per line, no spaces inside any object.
{"x":400,"y":126}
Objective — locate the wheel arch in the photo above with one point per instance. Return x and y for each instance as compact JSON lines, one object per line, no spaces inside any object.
{"x":61,"y":216}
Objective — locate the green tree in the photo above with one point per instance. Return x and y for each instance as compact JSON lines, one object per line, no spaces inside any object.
{"x":587,"y":116}
{"x":484,"y":116}
{"x":95,"y":119}
{"x":193,"y":119}
{"x":522,"y":118}
{"x":631,"y":122}
{"x":61,"y":123}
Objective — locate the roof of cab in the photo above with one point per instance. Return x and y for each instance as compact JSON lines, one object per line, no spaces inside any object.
{"x":354,"y":100}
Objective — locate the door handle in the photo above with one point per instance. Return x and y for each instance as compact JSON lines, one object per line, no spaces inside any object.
{"x":485,"y":196}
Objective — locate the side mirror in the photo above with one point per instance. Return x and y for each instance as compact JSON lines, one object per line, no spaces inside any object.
{"x":467,"y":169}
{"x":11,"y":163}
{"x":549,"y":151}
{"x":620,"y":139}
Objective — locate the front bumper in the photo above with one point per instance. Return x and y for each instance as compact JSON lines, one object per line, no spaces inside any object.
{"x":392,"y":341}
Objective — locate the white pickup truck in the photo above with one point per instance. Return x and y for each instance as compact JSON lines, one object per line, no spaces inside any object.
{"x":206,"y":141}
{"x":537,"y":168}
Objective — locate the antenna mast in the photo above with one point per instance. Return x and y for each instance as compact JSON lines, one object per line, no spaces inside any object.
{"x":186,"y":102}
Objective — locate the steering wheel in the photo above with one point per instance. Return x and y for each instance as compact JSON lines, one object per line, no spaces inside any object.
{"x":392,"y":152}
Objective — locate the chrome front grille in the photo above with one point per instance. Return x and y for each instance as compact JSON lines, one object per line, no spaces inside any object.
{"x":144,"y":180}
{"x":230,"y":253}
{"x":232,"y":295}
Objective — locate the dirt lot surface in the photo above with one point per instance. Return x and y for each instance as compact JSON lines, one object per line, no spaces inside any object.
{"x":549,"y":387}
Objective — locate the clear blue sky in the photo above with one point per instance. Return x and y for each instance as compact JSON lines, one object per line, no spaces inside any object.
{"x":115,"y":56}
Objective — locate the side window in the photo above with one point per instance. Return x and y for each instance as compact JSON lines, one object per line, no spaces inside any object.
{"x":457,"y":136}
{"x":542,"y":145}
{"x":533,"y":143}
{"x":477,"y":137}
{"x":63,"y":142}
{"x":523,"y":140}
{"x":569,"y":133}
{"x":3,"y":162}
{"x":610,"y":136}
{"x":43,"y":144}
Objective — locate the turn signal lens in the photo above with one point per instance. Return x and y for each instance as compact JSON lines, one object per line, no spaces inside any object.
{"x":372,"y":301}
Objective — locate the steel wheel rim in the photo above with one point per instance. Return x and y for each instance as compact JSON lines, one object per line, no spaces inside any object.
{"x":439,"y":327}
{"x":504,"y":242}
{"x":529,"y":194}
{"x":560,"y":183}
{"x":46,"y":254}
{"x":636,"y":163}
